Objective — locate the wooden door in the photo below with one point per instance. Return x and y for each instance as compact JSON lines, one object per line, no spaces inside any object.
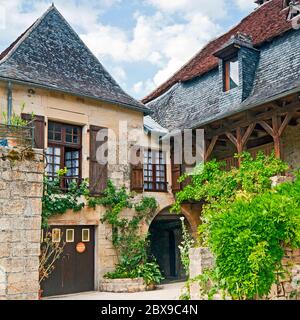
{"x":74,"y":270}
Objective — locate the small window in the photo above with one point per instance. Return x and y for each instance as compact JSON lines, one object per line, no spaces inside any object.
{"x":231,"y":74}
{"x":155,"y":178}
{"x":70,"y":235}
{"x":56,"y":235}
{"x":85,"y":235}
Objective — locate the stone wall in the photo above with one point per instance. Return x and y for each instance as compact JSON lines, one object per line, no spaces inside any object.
{"x":20,"y":225}
{"x":200,"y":260}
{"x":291,"y":146}
{"x":287,"y":288}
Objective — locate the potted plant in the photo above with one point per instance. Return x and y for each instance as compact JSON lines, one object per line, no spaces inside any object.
{"x":14,"y":135}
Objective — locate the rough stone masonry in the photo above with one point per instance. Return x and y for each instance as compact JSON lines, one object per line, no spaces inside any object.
{"x":21,"y":185}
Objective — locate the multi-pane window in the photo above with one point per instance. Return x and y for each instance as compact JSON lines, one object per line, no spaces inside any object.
{"x":155,"y":171}
{"x":64,"y":151}
{"x":231,"y":74}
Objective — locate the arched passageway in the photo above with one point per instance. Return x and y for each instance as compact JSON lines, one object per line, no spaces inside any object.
{"x":165,"y":237}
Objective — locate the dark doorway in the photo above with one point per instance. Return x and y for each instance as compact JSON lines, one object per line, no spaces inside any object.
{"x":165,"y":237}
{"x":74,"y":270}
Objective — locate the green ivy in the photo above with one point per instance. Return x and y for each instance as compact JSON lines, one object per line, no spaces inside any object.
{"x":57,"y":201}
{"x":246,"y":224}
{"x":131,"y":246}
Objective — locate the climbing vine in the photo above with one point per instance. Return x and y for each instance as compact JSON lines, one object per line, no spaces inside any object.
{"x":186,"y":244}
{"x":246,"y":224}
{"x":57,"y":201}
{"x":131,"y":246}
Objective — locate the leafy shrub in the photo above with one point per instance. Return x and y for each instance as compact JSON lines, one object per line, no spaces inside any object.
{"x":246,"y":224}
{"x":131,"y":246}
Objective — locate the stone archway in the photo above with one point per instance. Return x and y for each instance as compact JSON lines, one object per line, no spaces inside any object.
{"x":165,"y":233}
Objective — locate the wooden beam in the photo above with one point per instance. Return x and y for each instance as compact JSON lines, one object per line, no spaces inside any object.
{"x":248,"y":133}
{"x":239,"y":139}
{"x":210,"y":148}
{"x":239,"y":143}
{"x":231,"y":137}
{"x":267,"y":128}
{"x":285,"y":122}
{"x":276,"y":126}
{"x":251,"y":117}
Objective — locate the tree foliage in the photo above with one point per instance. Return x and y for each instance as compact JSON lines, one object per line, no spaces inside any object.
{"x":246,"y":223}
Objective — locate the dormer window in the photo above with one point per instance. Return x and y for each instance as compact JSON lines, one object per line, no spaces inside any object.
{"x":231,"y":73}
{"x":294,"y":9}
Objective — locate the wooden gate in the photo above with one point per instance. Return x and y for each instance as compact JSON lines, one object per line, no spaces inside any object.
{"x":74,"y":270}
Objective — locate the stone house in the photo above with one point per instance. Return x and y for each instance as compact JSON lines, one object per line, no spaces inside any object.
{"x":242,"y":88}
{"x":48,"y":71}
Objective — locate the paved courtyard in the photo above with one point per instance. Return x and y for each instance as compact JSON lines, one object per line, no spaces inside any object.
{"x":169,"y":291}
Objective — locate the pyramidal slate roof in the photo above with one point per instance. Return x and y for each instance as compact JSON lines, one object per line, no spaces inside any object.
{"x":51,"y":55}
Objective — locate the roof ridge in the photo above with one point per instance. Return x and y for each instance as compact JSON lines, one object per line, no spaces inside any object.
{"x":15,"y":45}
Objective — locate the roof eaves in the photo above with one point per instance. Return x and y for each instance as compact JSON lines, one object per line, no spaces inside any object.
{"x":145,"y":110}
{"x":248,"y":106}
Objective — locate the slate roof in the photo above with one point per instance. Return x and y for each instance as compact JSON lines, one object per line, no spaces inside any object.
{"x":50,"y":54}
{"x":200,"y":100}
{"x":150,"y":125}
{"x":263,"y":24}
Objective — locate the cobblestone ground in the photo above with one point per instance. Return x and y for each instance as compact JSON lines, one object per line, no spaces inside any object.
{"x":170,"y":291}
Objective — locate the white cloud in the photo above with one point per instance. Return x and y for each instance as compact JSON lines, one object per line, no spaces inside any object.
{"x":142,"y":87}
{"x":212,"y":8}
{"x":154,"y":39}
{"x":246,"y":4}
{"x":118,"y":73}
{"x":82,"y":15}
{"x":165,"y":39}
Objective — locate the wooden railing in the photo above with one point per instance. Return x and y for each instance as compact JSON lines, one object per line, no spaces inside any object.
{"x":233,"y":162}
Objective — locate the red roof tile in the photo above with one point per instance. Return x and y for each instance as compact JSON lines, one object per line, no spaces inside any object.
{"x":263,"y":24}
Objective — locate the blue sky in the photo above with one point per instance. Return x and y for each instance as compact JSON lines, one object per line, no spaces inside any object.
{"x":140,"y":42}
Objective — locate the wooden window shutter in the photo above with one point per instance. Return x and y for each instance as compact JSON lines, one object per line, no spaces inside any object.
{"x":137,"y":173}
{"x":39,"y":129}
{"x":98,"y":172}
{"x":176,"y":173}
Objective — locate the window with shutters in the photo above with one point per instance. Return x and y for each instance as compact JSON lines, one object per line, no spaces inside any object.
{"x":64,"y":151}
{"x":155,"y":176}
